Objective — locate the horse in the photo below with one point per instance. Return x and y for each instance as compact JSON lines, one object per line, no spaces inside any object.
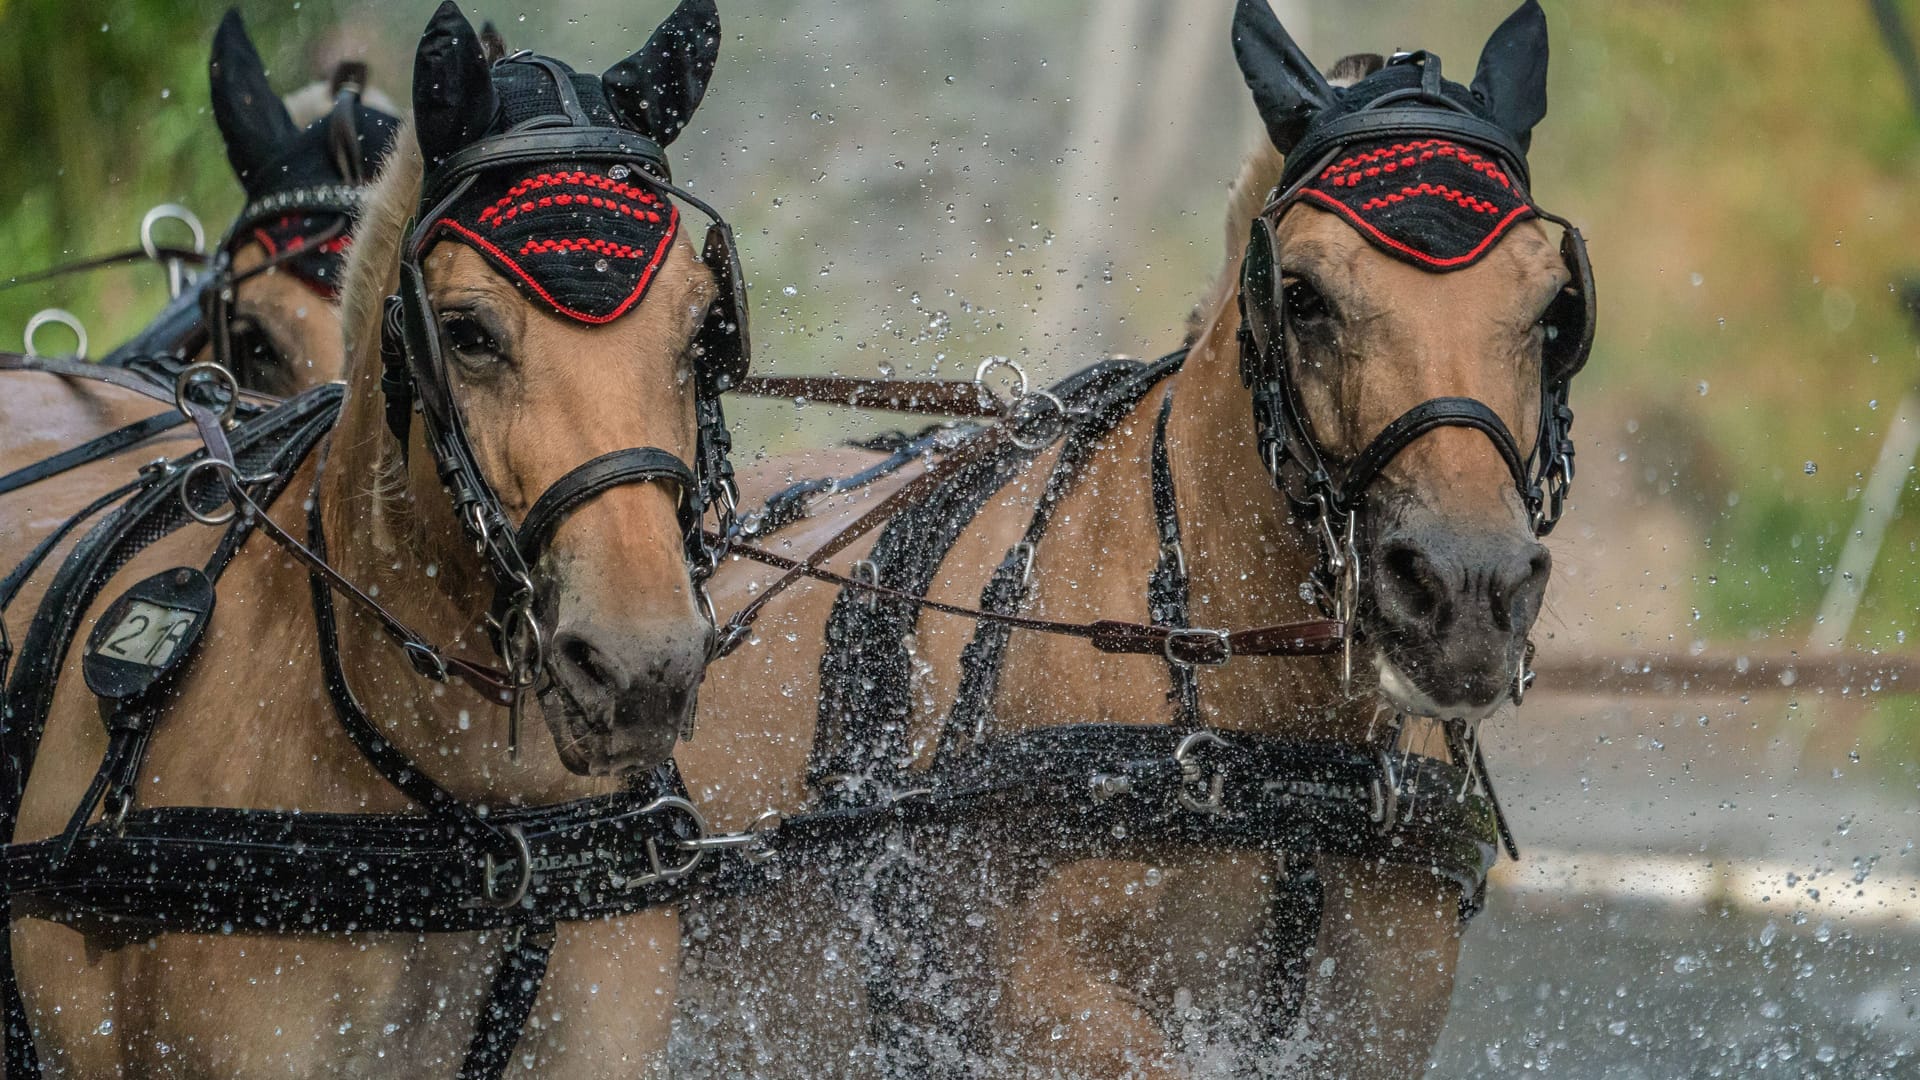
{"x":471,"y":486}
{"x":1189,"y":846}
{"x":266,"y":305}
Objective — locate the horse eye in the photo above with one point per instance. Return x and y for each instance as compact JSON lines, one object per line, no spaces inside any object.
{"x":469,"y":339}
{"x":253,"y":351}
{"x":1304,"y":303}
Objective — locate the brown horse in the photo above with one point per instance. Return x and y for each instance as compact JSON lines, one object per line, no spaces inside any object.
{"x":250,"y":724}
{"x":1143,"y":960}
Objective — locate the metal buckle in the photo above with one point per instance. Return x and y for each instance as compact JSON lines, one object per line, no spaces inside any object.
{"x":657,"y":868}
{"x":1217,"y":638}
{"x":1524,"y":675}
{"x":1024,"y":549}
{"x":1193,"y":773}
{"x":866,"y":572}
{"x":490,"y":894}
{"x":1384,"y":796}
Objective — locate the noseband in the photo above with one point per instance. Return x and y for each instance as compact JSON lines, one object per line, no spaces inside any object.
{"x":1334,"y":496}
{"x":415,"y":379}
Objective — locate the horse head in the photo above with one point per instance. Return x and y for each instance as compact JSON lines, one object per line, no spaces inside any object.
{"x":1409,"y":330}
{"x":544,"y":316}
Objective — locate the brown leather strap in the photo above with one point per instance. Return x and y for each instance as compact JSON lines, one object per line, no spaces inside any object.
{"x":112,"y":375}
{"x":934,"y":397}
{"x":987,"y":442}
{"x":1310,"y":637}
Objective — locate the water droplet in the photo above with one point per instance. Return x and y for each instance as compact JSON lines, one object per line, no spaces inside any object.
{"x":1810,"y":468}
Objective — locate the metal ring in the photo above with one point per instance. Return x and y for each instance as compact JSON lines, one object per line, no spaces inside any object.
{"x":992,"y":362}
{"x":219,"y":375}
{"x":525,"y":670}
{"x":186,"y":498}
{"x":1050,"y":431}
{"x":524,"y":856}
{"x":62,"y":317}
{"x":170,"y":212}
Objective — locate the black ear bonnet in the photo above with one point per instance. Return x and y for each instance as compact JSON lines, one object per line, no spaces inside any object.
{"x":582,"y":238}
{"x":303,"y":185}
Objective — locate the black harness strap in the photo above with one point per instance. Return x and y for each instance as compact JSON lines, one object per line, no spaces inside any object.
{"x":92,"y":450}
{"x":516,"y":985}
{"x":1167,"y":594}
{"x":1012,"y":582}
{"x":634,"y":465}
{"x":861,"y":743}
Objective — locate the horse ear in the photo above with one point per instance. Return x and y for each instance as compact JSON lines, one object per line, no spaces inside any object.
{"x":253,"y":121}
{"x":657,"y":88}
{"x":1512,"y":78}
{"x":1287,"y":88}
{"x":453,"y":99}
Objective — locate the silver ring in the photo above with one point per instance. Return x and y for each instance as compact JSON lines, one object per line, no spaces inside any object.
{"x":987,"y":365}
{"x":186,"y":499}
{"x":525,"y":670}
{"x":60,"y":317}
{"x":218,"y":375}
{"x":1050,"y":431}
{"x":170,"y":212}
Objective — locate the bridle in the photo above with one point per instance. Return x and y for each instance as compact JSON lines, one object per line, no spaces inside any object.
{"x":415,"y":379}
{"x":1333,"y":496}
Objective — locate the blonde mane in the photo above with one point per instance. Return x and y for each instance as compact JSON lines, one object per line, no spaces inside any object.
{"x":315,"y":100}
{"x":372,"y":273}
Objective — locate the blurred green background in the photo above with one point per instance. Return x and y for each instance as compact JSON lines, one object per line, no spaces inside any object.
{"x":921,"y":185}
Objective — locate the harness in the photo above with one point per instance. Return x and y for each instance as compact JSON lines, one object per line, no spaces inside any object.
{"x":453,"y":867}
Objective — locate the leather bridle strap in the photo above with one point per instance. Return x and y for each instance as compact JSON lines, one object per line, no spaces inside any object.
{"x":131,"y":255}
{"x":1310,"y":637}
{"x":634,"y":465}
{"x":492,"y":683}
{"x":932,"y":397}
{"x":113,"y":376}
{"x":1430,"y":415}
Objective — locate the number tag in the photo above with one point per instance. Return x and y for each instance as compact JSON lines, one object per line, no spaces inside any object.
{"x":147,"y":633}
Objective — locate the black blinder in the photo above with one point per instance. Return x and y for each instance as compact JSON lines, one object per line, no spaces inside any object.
{"x":1570,"y":319}
{"x":722,"y":347}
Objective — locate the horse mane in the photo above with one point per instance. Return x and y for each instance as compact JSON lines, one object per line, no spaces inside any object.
{"x":371,"y":275}
{"x":1248,"y":195}
{"x":315,"y":100}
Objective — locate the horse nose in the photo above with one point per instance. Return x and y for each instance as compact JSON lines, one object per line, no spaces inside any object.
{"x":1431,"y":582}
{"x":636,"y":686}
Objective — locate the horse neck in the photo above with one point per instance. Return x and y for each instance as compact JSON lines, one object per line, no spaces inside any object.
{"x":1247,"y":559}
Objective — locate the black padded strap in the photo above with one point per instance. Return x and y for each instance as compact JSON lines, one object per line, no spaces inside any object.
{"x":516,"y":984}
{"x":1427,"y":416}
{"x":1167,"y":586}
{"x":634,"y":465}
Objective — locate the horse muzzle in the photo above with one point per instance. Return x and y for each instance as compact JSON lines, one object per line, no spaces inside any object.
{"x":1449,"y":609}
{"x":616,"y":701}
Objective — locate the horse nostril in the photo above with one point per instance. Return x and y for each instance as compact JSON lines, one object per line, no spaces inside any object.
{"x":1517,"y":595}
{"x":1410,"y":589}
{"x":573,"y":651}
